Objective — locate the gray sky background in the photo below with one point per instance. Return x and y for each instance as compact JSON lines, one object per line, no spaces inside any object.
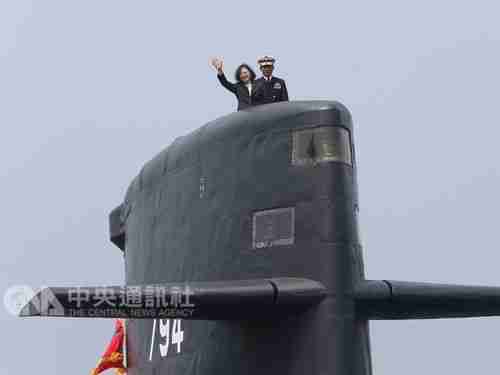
{"x":90,"y":90}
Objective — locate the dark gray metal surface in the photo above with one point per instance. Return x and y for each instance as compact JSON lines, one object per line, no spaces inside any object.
{"x":267,"y":196}
{"x":410,"y":300}
{"x":215,"y":300}
{"x":176,"y":234}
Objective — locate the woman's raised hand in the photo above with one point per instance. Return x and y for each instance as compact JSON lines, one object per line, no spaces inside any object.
{"x":217,"y":64}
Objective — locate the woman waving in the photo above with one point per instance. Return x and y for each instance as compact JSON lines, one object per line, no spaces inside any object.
{"x":245,"y":89}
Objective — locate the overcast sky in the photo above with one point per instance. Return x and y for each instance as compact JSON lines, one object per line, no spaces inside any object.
{"x":90,"y":90}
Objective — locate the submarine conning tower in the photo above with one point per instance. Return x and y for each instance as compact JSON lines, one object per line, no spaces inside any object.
{"x":242,"y":255}
{"x":265,"y":192}
{"x":271,"y":180}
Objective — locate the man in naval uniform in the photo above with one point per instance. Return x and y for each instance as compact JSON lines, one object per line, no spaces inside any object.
{"x":273,"y":88}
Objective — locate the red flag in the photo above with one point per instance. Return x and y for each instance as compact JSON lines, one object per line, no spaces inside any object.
{"x":113,"y":356}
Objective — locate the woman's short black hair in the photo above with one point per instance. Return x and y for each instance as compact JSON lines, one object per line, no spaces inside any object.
{"x":238,"y":72}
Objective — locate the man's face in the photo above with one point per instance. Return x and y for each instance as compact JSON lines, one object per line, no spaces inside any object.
{"x":267,"y":70}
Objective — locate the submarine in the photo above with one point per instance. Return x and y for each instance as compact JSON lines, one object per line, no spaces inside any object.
{"x":242,"y":254}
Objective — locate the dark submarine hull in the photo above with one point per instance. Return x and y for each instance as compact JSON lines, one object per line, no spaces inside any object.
{"x":188,"y":217}
{"x":256,"y":212}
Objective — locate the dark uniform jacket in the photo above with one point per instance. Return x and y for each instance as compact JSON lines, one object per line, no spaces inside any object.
{"x":272,"y":91}
{"x":239,"y":89}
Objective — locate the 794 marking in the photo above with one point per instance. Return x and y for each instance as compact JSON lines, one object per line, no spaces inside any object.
{"x":170,"y":333}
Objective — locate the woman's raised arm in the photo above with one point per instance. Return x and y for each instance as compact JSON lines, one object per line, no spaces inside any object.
{"x":218,"y":64}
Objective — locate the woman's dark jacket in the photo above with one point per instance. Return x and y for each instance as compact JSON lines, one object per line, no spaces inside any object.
{"x":240,"y":89}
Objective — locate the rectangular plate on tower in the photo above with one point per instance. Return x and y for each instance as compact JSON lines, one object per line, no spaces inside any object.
{"x":273,"y":227}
